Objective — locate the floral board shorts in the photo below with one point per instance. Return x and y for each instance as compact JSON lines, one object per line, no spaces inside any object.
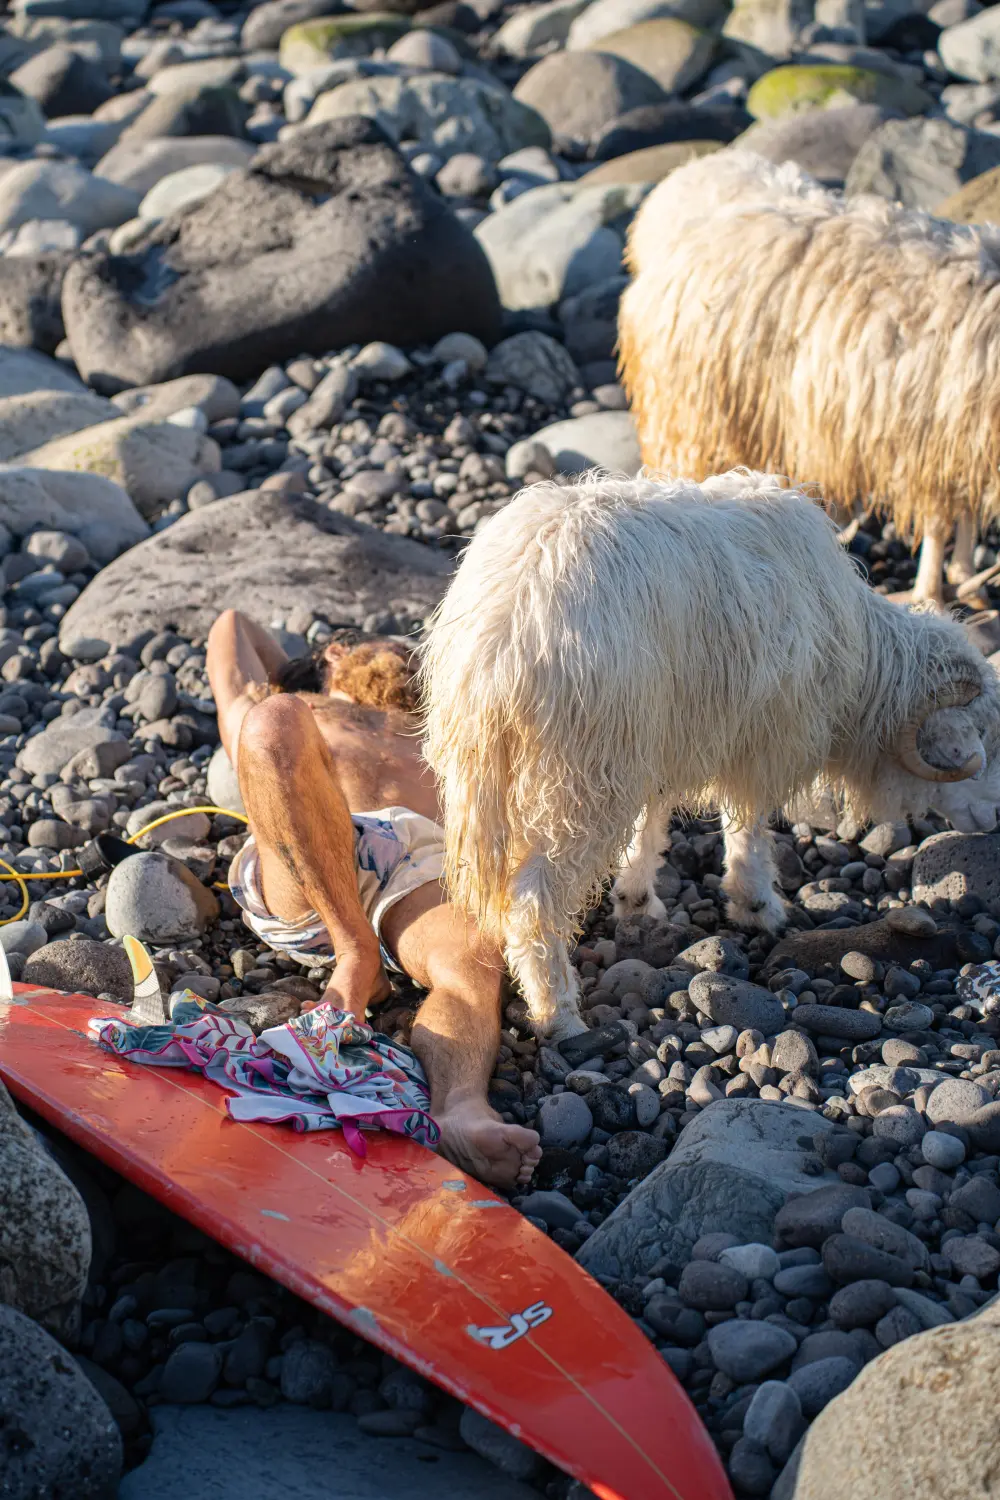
{"x":395,"y":851}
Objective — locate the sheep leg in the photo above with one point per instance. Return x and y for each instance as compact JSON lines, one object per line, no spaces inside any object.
{"x":749,"y":881}
{"x":536,"y":947}
{"x":928,"y":585}
{"x":633,"y":893}
{"x":962,"y":568}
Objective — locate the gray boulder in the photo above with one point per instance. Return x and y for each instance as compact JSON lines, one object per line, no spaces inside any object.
{"x":82,"y":966}
{"x":603,"y":440}
{"x":44,"y":1230}
{"x":31,"y":299}
{"x":578,"y":94}
{"x":88,"y":506}
{"x":731,"y":1171}
{"x":948,"y":866}
{"x":157,"y":900}
{"x":223,"y":783}
{"x":919,"y":162}
{"x":60,"y":1438}
{"x":554,"y":242}
{"x":446,"y":115}
{"x":255,"y":552}
{"x":323,"y":241}
{"x":823,"y":142}
{"x":48,"y":752}
{"x":928,"y":1402}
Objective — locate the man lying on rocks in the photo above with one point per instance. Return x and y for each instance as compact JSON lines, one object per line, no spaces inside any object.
{"x":345,"y":860}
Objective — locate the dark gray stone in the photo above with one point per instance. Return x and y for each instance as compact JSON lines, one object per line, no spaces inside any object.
{"x":191,"y":1373}
{"x":670,"y":120}
{"x":834,"y":1020}
{"x":861,"y":1304}
{"x":880,"y":1232}
{"x":823,"y":142}
{"x":710,"y":1286}
{"x":254,"y":552}
{"x":920,"y":162}
{"x":746,"y":1350}
{"x":328,"y":239}
{"x":555,"y":1209}
{"x":82,"y":966}
{"x":810,"y":1219}
{"x":816,"y":1384}
{"x":735,"y":1002}
{"x":578,"y":1050}
{"x":63,"y":82}
{"x":633,"y":1154}
{"x":31,"y":299}
{"x":60,"y":1439}
{"x":731,"y":1170}
{"x":948,"y":866}
{"x":848,"y":1258}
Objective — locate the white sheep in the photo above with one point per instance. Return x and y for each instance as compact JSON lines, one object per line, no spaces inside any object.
{"x":850,"y":344}
{"x":616,"y":649}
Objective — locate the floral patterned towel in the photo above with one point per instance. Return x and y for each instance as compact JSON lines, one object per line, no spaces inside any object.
{"x":320,"y":1071}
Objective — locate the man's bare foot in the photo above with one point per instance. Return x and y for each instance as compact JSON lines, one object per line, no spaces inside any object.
{"x":474,"y":1137}
{"x":357,"y":982}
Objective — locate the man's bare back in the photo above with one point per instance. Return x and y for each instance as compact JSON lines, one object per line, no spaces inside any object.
{"x":377,"y":756}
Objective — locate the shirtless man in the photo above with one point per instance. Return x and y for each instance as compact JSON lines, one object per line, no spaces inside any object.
{"x":345,"y":860}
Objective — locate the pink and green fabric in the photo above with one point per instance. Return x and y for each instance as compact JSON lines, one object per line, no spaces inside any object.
{"x":318,"y":1072}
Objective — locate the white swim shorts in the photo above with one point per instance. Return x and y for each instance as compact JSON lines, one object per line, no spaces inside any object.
{"x":395,"y":851}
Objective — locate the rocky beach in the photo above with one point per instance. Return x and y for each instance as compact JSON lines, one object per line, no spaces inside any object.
{"x":294,"y":298}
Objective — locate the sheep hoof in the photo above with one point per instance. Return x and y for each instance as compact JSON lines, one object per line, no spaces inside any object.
{"x":565,"y":1026}
{"x":767,"y":915}
{"x":644,"y":903}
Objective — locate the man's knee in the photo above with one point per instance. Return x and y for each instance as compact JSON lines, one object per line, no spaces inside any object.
{"x":278,"y":731}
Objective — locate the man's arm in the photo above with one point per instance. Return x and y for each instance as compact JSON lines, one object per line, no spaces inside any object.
{"x":242,"y":657}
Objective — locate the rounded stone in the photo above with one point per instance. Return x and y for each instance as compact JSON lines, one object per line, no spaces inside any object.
{"x":955,"y":1100}
{"x":746,"y":1351}
{"x":564,"y":1120}
{"x":157,"y":899}
{"x":554,"y":1209}
{"x":946,"y":1152}
{"x":736,"y":1002}
{"x":191,"y":1373}
{"x":774,"y":1419}
{"x":794,"y":1052}
{"x":59,"y":1436}
{"x":847,"y":1258}
{"x":900,"y":1125}
{"x":861,"y":1304}
{"x":307,"y":1373}
{"x":756,"y":1262}
{"x":612,"y":1108}
{"x":816,"y":1384}
{"x":711,"y":1286}
{"x":909,"y":1015}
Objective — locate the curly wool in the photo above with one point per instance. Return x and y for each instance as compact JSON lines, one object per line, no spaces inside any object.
{"x":623,"y":644}
{"x":851,"y":345}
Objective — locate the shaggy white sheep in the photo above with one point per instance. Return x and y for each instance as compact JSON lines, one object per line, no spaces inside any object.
{"x":622,"y":648}
{"x":854,"y":345}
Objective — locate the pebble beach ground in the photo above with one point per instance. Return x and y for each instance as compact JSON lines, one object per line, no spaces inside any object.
{"x":332,"y":472}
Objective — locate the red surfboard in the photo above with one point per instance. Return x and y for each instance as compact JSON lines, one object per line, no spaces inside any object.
{"x":402,"y":1247}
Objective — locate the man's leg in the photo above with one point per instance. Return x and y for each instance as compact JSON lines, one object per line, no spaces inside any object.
{"x":457,"y":1033}
{"x":305,"y":839}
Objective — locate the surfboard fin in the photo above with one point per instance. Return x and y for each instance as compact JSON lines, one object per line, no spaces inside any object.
{"x":148,"y":1003}
{"x":6,"y":984}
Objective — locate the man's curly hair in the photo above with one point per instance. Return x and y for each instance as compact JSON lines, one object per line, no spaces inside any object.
{"x":373,"y":671}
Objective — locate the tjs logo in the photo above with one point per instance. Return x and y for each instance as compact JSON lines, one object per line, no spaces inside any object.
{"x":520,"y":1324}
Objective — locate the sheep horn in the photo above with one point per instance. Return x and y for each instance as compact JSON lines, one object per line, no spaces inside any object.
{"x":908,"y":753}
